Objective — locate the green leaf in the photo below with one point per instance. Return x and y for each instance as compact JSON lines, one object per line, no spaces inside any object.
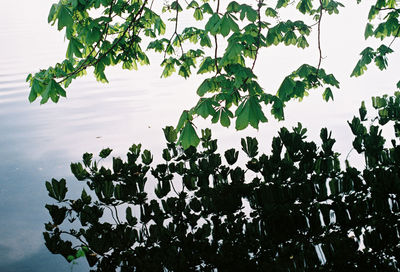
{"x":193,"y":4}
{"x":383,"y":50}
{"x":327,"y":94}
{"x":381,"y":62}
{"x":74,"y":3}
{"x":270,"y":12}
{"x":290,"y":38}
{"x":36,"y":90}
{"x":249,"y":112}
{"x":233,"y":7}
{"x":213,"y":24}
{"x":362,"y":111}
{"x":93,"y":35}
{"x":286,"y":90}
{"x":182,"y":120}
{"x":369,"y":31}
{"x":232,"y":53}
{"x":64,"y":18}
{"x":282,"y":3}
{"x":225,"y":120}
{"x":188,"y":136}
{"x":53,"y":90}
{"x":208,"y":65}
{"x":198,"y":14}
{"x":52,"y":13}
{"x":366,"y":57}
{"x":205,"y":107}
{"x":251,"y":14}
{"x":74,"y":48}
{"x":331,"y":80}
{"x":302,"y":42}
{"x":304,"y":6}
{"x":207,"y":8}
{"x":225,"y":26}
{"x":169,"y":66}
{"x":204,"y":87}
{"x":277,"y":108}
{"x":205,"y":40}
{"x":373,"y":12}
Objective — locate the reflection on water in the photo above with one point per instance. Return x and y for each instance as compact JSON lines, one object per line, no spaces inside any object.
{"x":38,"y":142}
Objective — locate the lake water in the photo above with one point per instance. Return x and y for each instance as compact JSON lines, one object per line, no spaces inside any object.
{"x":38,"y":142}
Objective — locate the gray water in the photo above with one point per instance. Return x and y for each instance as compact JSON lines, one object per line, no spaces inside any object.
{"x":38,"y":142}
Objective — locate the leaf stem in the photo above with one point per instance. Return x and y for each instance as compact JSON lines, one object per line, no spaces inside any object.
{"x":319,"y":37}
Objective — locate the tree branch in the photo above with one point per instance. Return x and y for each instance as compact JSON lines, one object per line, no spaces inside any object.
{"x":83,"y":66}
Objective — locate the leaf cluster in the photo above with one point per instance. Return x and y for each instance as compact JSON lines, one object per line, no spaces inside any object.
{"x":125,"y":31}
{"x":383,"y":24}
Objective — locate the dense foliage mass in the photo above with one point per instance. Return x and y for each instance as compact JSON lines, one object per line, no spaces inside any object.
{"x":295,"y":209}
{"x":223,"y":41}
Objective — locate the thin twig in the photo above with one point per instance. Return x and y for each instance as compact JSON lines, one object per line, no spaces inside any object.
{"x":216,"y":46}
{"x":75,"y":236}
{"x":348,"y":154}
{"x":395,"y":36}
{"x":116,"y":214}
{"x":380,"y":9}
{"x":173,"y":187}
{"x":112,"y":214}
{"x":319,"y":37}
{"x":175,"y":32}
{"x":260,"y":2}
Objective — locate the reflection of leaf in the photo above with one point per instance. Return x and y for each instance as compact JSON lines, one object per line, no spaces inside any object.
{"x":105,"y":153}
{"x":57,"y":189}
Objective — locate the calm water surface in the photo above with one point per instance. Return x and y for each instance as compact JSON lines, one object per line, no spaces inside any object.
{"x":38,"y":142}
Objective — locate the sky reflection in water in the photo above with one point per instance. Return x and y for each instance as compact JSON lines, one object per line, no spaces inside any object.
{"x":38,"y":142}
